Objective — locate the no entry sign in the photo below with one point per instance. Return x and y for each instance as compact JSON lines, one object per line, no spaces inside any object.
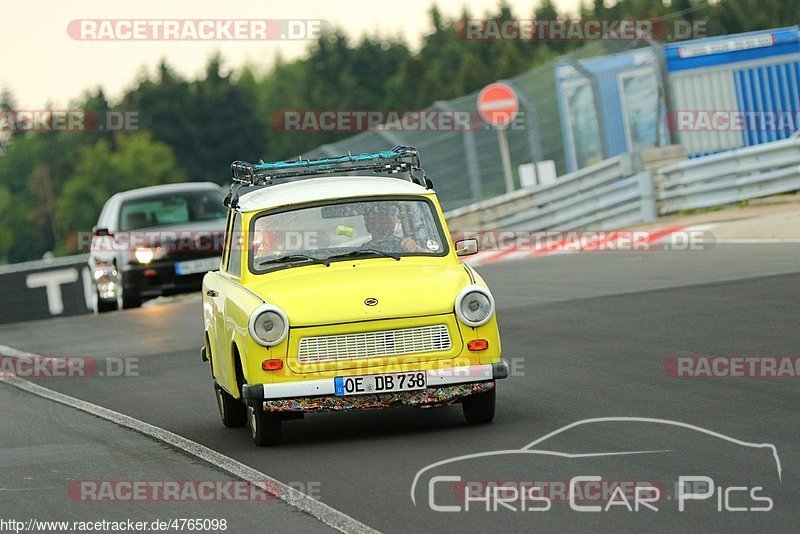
{"x":498,"y":104}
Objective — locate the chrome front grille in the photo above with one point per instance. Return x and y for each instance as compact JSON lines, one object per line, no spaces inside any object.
{"x":416,"y":340}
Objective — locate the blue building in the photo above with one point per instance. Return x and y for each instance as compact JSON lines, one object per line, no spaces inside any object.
{"x":629,"y":105}
{"x":735,"y":90}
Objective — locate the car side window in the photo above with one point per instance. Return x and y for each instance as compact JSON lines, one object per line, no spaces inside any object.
{"x":234,"y":266}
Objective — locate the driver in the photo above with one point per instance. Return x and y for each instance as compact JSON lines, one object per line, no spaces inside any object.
{"x":381,"y":221}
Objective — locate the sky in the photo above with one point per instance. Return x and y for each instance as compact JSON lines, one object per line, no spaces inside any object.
{"x":42,"y":64}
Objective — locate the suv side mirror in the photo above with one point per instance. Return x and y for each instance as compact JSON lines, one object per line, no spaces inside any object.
{"x":100,"y":232}
{"x":466,"y":247}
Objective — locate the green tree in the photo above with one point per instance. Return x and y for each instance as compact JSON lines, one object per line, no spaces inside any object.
{"x":137,"y":161}
{"x":6,"y":229}
{"x":734,"y":16}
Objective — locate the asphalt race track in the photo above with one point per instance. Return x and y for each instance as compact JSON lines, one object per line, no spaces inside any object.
{"x":588,"y":336}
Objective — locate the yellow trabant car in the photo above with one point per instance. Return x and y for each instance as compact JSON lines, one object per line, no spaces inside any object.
{"x":340,"y":289}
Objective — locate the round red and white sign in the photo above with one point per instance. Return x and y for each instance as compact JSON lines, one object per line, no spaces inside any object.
{"x":498,"y":104}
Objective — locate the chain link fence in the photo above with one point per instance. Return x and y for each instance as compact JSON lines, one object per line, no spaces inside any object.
{"x":466,"y":165}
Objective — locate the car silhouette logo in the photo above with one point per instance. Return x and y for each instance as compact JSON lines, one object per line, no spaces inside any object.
{"x":371,"y":301}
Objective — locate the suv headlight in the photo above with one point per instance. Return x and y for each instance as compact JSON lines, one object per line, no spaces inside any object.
{"x":474,"y":305}
{"x":145,"y":255}
{"x":268,"y":325}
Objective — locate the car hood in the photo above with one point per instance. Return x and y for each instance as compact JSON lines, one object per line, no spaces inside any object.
{"x":316,"y":295}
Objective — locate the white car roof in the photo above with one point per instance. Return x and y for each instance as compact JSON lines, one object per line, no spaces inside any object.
{"x":326,"y":188}
{"x":180,"y":187}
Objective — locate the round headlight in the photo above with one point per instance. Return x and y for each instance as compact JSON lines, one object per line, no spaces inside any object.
{"x":474,"y":306}
{"x":268,"y":325}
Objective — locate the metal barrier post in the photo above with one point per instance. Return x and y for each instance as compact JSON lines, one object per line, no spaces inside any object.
{"x":647,"y":196}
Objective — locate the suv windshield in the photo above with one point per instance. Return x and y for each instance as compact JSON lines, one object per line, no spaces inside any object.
{"x":370,"y":227}
{"x":176,"y":208}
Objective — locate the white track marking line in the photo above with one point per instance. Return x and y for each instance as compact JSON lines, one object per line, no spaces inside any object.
{"x":291,"y":496}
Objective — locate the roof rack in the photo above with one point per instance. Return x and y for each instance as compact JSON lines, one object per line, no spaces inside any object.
{"x":400,"y":159}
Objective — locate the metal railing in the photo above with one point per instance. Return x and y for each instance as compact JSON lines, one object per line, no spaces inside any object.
{"x":610,"y":195}
{"x":730,"y":177}
{"x":605,"y":195}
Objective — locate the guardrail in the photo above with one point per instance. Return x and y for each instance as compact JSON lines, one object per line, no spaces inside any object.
{"x":729,"y":177}
{"x":605,"y":195}
{"x":45,"y":288}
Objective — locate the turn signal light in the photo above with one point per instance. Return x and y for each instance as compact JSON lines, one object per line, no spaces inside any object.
{"x":272,"y":365}
{"x":477,"y":345}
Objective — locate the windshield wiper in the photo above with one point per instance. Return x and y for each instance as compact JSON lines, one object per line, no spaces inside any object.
{"x":365,"y":252}
{"x":295,"y":257}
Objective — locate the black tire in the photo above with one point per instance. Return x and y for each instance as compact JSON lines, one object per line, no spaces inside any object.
{"x":232,"y":411}
{"x":130,"y":301}
{"x":102,"y":306}
{"x":125,"y":299}
{"x":479,"y":408}
{"x":209,"y":357}
{"x":264,"y":427}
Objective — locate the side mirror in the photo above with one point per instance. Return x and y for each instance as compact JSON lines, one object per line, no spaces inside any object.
{"x":100,"y":232}
{"x":466,"y":247}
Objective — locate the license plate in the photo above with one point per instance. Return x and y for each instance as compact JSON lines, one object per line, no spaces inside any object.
{"x":387,"y":383}
{"x":197,"y":266}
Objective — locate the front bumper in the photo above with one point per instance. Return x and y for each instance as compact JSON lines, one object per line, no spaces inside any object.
{"x":159,"y":279}
{"x":445,"y":386}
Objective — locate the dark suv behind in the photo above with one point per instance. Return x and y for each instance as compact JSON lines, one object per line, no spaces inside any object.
{"x":155,"y":241}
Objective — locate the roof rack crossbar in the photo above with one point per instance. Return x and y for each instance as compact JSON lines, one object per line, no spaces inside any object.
{"x":398,"y":159}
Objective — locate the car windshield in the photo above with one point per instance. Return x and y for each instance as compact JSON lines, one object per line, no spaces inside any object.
{"x":374,"y":227}
{"x":176,"y":208}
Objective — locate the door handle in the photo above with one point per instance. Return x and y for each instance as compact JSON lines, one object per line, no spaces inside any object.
{"x":211,"y":293}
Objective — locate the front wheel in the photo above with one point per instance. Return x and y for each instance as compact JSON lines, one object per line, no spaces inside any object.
{"x":102,"y":306}
{"x":126,"y":300}
{"x":479,"y":408}
{"x":232,"y":411}
{"x":264,"y":427}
